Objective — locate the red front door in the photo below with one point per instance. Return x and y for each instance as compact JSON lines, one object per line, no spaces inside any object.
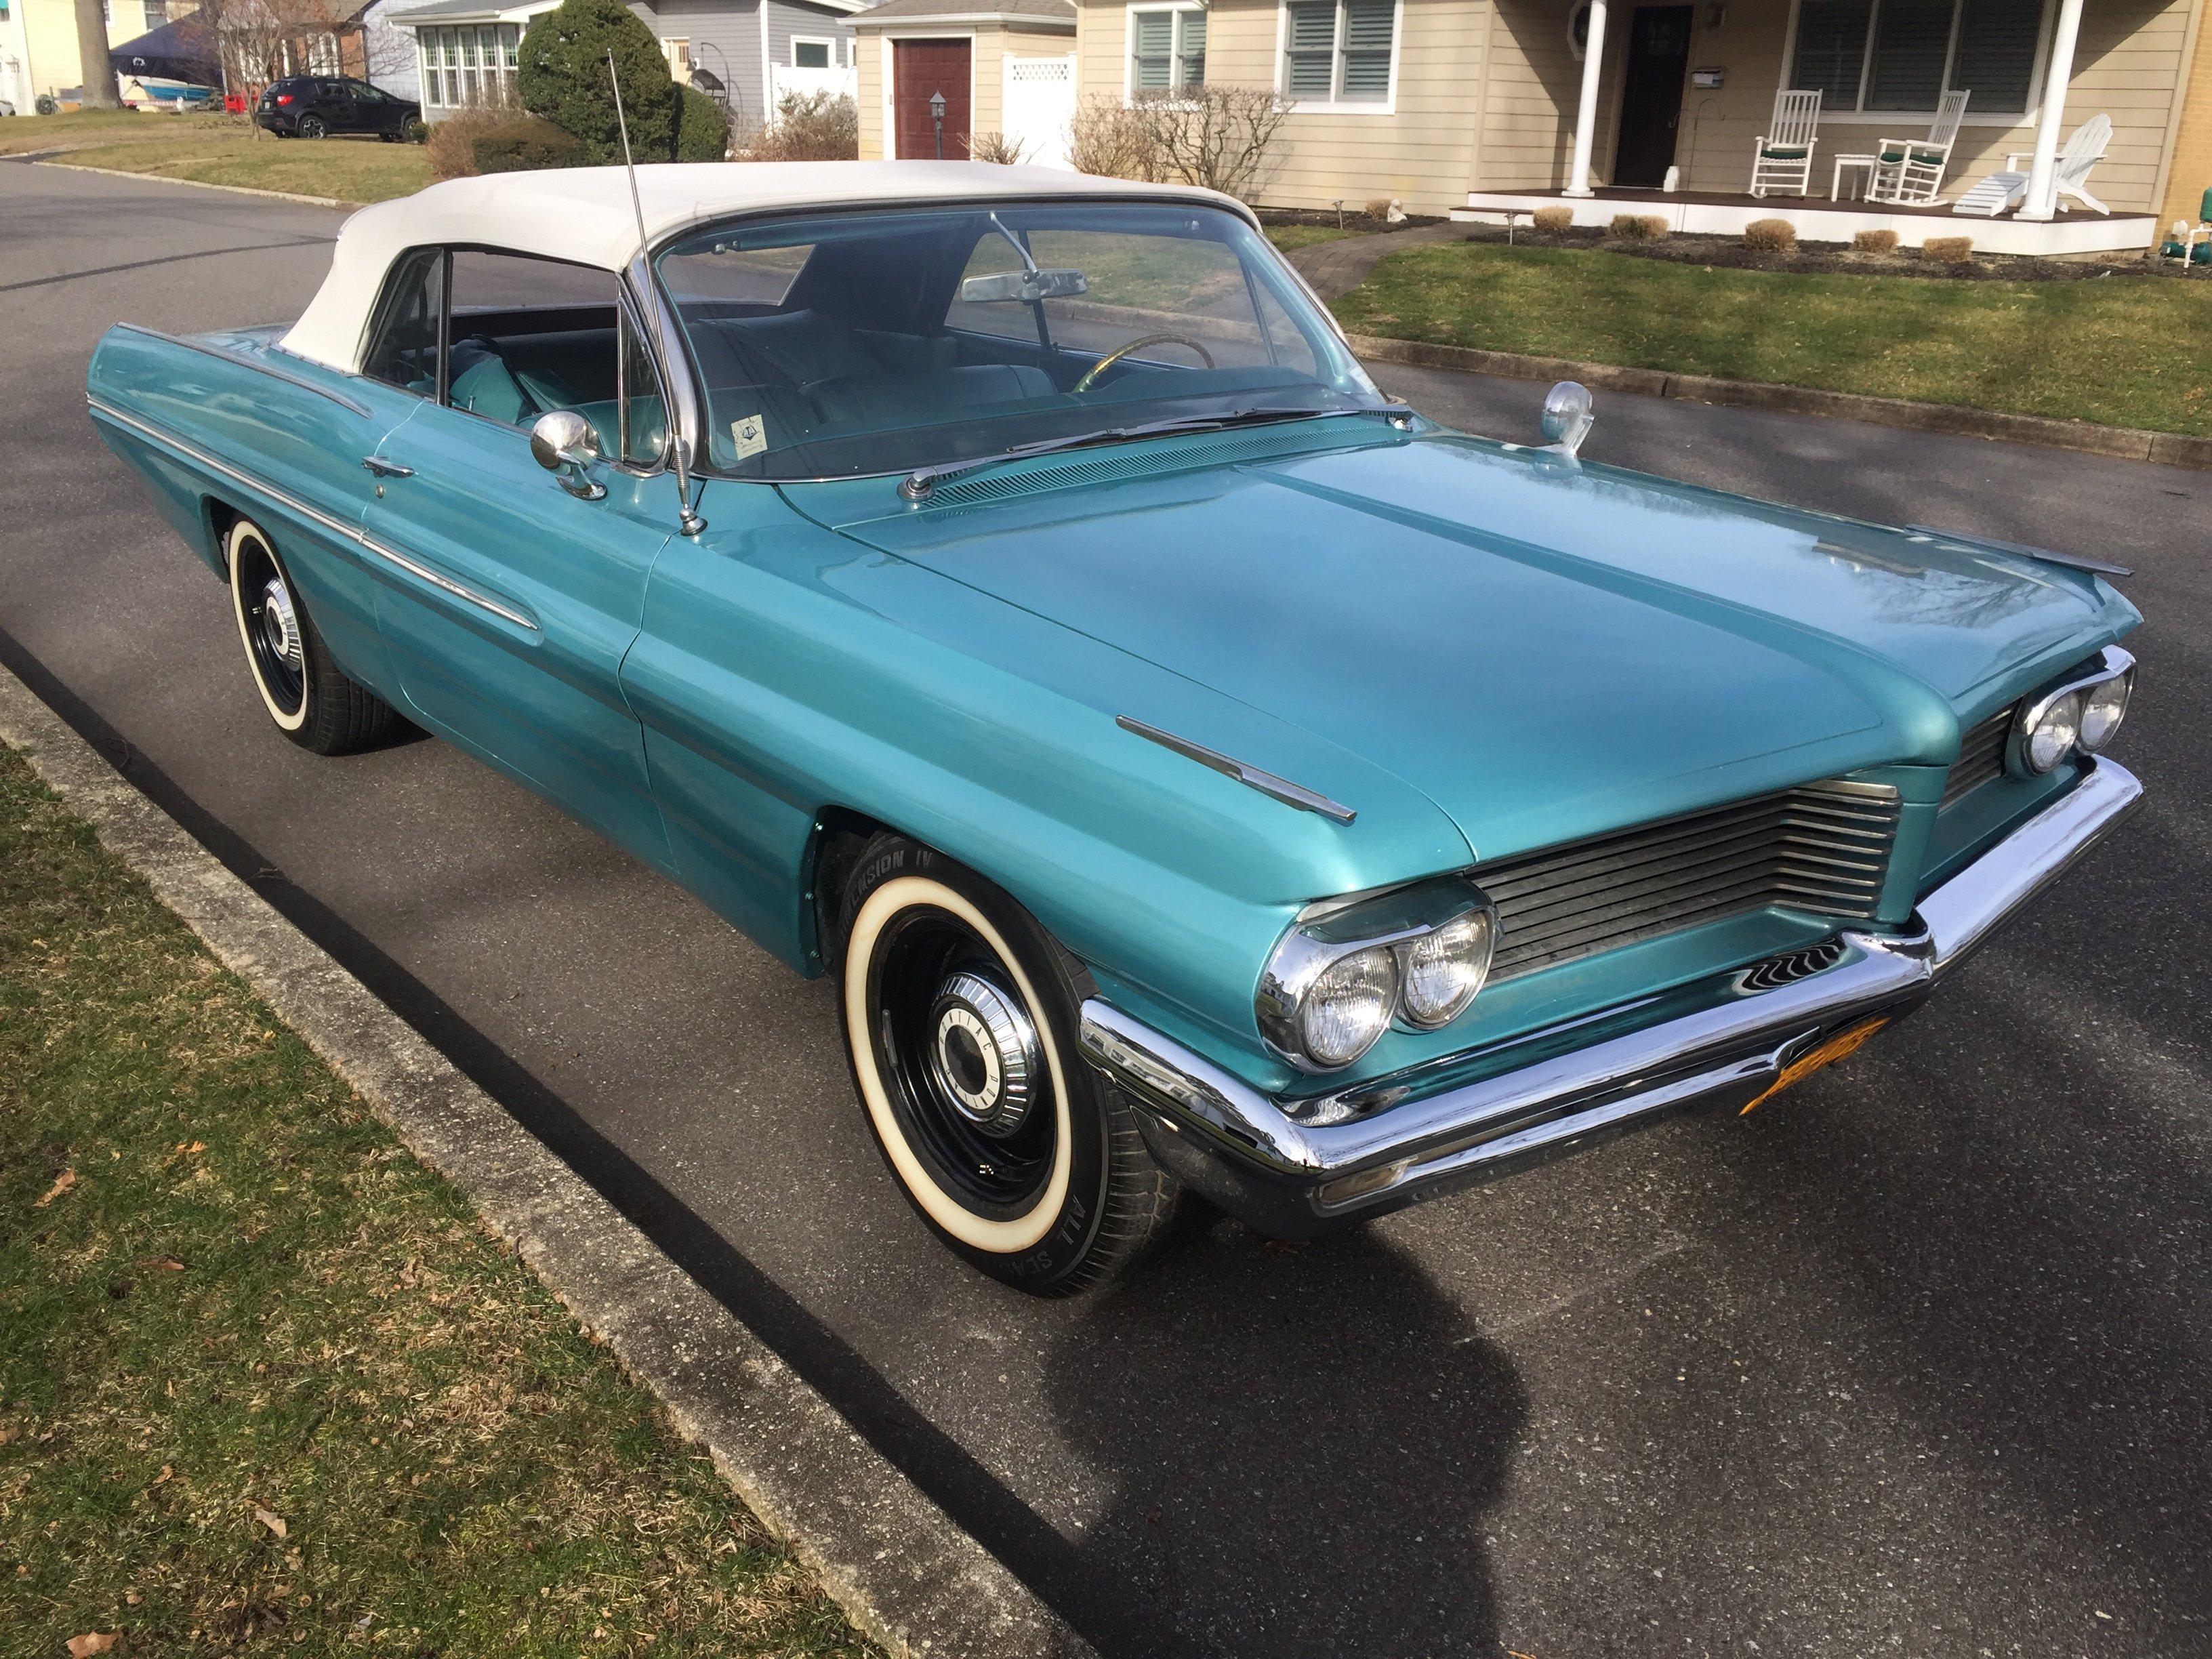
{"x":921,"y":69}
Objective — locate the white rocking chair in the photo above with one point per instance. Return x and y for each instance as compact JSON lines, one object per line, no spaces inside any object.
{"x":2083,"y":151}
{"x":1781,"y":161}
{"x":1910,"y":172}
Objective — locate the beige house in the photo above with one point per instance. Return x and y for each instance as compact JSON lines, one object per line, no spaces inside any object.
{"x":1003,"y":67}
{"x":1472,"y":107}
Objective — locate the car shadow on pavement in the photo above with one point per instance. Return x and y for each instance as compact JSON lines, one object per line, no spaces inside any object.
{"x":1232,"y":1402}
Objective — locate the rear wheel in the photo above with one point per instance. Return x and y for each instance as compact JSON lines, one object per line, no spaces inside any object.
{"x":960,"y":1017}
{"x":304,"y":691}
{"x":311,"y":127}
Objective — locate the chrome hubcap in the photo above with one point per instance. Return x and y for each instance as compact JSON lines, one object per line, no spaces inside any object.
{"x":983,"y":1051}
{"x":280,"y":627}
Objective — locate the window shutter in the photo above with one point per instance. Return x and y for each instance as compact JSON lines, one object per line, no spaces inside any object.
{"x":1367,"y":30}
{"x":1193,"y":49}
{"x":1155,"y":49}
{"x":1912,"y":40}
{"x":1996,"y":54}
{"x":1832,"y":51}
{"x":1312,"y":47}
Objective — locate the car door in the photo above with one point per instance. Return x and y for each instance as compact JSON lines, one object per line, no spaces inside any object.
{"x":334,"y":101}
{"x":511,"y":598}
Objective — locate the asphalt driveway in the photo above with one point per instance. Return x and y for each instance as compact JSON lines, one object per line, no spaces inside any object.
{"x":1915,"y":1359}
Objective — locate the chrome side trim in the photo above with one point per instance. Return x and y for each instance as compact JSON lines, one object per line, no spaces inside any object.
{"x":1399,"y":1136}
{"x":1967,"y":909}
{"x":291,"y":503}
{"x":1276,"y":788}
{"x":270,"y":369}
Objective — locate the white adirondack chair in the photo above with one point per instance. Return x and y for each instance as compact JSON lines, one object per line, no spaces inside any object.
{"x":2083,"y":151}
{"x":1782,"y":159}
{"x":1910,"y":171}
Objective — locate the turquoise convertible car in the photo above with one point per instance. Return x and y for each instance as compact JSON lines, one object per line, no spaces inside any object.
{"x":1002,"y":590}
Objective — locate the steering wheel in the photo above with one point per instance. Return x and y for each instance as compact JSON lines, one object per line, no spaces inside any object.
{"x":1090,"y":375}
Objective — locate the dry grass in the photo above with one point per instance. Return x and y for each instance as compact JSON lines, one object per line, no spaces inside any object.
{"x":1771,"y":236}
{"x":265,"y":1385}
{"x":1947,"y":250}
{"x":1554,"y":220}
{"x":1874,"y":242}
{"x":1638,"y":227}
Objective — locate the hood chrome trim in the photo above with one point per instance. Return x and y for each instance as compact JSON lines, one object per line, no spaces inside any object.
{"x":1252,"y":777}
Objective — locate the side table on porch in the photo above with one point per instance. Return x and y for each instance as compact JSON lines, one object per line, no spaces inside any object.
{"x":1871,"y":164}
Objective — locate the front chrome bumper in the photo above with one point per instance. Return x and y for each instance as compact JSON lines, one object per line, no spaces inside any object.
{"x":1294,"y":1166}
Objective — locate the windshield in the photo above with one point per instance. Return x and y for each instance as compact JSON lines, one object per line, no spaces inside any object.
{"x":877,"y":342}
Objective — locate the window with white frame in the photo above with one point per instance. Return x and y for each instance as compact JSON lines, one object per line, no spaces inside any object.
{"x":1167,"y":48}
{"x":677,"y":51}
{"x":812,"y":54}
{"x":469,"y":63}
{"x":157,"y":13}
{"x":1337,"y":51}
{"x":1905,"y":54}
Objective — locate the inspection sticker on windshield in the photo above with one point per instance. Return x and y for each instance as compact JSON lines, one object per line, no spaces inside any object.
{"x":750,"y":434}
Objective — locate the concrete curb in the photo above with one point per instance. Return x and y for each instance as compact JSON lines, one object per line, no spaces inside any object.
{"x":904,"y":1573}
{"x":202,"y":183}
{"x":2166,"y":448}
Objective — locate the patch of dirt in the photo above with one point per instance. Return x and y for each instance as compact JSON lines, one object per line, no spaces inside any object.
{"x":1730,"y":253}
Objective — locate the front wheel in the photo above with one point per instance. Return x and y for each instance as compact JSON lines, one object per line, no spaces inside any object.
{"x":960,"y":1017}
{"x":301,"y":686}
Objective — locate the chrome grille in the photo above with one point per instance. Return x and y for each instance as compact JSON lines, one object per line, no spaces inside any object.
{"x":1981,"y":756}
{"x":1823,"y":848}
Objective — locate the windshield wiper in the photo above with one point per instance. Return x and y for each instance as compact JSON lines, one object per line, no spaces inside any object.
{"x":917,"y":484}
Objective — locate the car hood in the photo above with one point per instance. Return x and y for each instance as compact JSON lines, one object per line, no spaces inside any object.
{"x":1547,"y":649}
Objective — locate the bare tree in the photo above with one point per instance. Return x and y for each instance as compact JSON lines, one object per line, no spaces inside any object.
{"x":1218,"y":137}
{"x":92,"y":55}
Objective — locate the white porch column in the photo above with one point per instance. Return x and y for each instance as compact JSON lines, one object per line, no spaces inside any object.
{"x":1578,"y":182}
{"x":2041,"y":201}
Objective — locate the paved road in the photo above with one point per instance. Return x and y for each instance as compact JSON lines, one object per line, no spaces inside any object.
{"x":1915,"y":1361}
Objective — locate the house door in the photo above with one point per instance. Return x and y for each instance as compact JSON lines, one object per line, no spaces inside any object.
{"x":921,"y":69}
{"x":1652,"y":98}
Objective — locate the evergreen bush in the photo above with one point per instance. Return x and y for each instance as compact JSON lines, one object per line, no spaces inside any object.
{"x":702,"y":134}
{"x":561,"y":74}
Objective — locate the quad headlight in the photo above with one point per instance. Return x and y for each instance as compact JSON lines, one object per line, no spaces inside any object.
{"x":1342,"y":976}
{"x":2085,"y":713}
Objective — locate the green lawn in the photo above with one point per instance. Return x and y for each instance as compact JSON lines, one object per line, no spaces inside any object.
{"x":1287,"y":237}
{"x":221,"y":150}
{"x":2123,"y":350}
{"x":265,"y":1384}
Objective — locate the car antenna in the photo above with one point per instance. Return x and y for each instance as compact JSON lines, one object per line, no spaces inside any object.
{"x":692,"y":523}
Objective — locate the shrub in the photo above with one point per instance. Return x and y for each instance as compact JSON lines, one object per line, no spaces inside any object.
{"x":814,"y":126}
{"x":1875,"y":242}
{"x":1554,"y":219}
{"x":1947,"y":250}
{"x":451,"y":143}
{"x":1638,"y":227}
{"x":702,"y":132}
{"x":1105,"y":138}
{"x":561,"y":74}
{"x":996,"y":149}
{"x":1220,"y":137}
{"x":525,"y":145}
{"x":416,"y":132}
{"x":1771,"y":236}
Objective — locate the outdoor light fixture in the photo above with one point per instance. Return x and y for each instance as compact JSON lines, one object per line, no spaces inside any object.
{"x":937,"y":120}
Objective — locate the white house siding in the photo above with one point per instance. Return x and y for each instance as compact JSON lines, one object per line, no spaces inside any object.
{"x":1422,"y":153}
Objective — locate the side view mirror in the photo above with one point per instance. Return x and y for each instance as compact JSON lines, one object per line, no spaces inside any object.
{"x":1567,"y":416}
{"x":566,"y":445}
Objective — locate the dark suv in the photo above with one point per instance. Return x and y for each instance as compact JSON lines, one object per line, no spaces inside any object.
{"x":317,"y":105}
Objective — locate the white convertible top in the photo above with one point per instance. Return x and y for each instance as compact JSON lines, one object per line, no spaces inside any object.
{"x":584,"y":215}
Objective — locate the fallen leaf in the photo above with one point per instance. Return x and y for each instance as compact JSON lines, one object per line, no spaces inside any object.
{"x":168,"y":1263}
{"x":132,"y":1598}
{"x":63,"y":1182}
{"x":166,"y":1473}
{"x":273,"y":1522}
{"x":81,"y":1647}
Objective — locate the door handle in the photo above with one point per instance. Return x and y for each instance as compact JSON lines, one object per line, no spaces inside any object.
{"x":385,"y":469}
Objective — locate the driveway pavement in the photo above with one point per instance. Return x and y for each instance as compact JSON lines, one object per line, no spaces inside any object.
{"x":1914,"y":1360}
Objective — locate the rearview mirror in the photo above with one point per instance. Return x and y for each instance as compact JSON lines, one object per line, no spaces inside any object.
{"x":1027,"y":286}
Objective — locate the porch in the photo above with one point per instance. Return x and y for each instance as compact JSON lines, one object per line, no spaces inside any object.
{"x":1816,"y":219}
